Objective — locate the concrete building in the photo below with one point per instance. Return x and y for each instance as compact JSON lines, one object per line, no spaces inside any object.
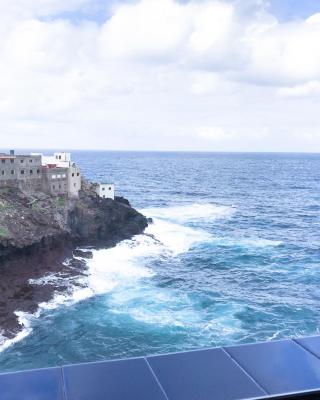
{"x":23,"y":171}
{"x":55,"y":180}
{"x":74,"y":180}
{"x":105,"y":190}
{"x":56,"y":175}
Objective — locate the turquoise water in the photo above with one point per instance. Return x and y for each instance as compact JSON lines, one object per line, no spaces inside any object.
{"x":233,"y":256}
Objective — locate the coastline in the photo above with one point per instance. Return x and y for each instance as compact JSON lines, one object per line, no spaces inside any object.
{"x":44,"y":280}
{"x":19,"y":295}
{"x":41,"y":242}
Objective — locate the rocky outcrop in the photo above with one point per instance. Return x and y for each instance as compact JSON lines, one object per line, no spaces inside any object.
{"x":31,"y":223}
{"x":39,"y":232}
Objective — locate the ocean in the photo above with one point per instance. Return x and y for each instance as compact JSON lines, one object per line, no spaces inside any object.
{"x":233,"y":256}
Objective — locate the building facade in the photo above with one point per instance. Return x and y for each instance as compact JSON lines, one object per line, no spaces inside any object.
{"x":21,"y":171}
{"x":105,"y":190}
{"x":56,"y":175}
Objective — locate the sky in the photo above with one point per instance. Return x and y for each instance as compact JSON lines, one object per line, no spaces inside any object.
{"x":163,"y":75}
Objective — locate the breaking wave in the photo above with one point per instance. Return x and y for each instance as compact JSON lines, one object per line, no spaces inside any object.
{"x":125,"y":273}
{"x":125,"y":264}
{"x":190,"y":212}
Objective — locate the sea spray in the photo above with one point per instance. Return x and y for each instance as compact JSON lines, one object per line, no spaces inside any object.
{"x":124,"y":265}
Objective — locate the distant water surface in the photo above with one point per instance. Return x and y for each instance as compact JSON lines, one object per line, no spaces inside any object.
{"x":233,"y":256}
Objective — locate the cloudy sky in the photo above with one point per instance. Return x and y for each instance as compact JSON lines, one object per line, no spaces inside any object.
{"x":205,"y":75}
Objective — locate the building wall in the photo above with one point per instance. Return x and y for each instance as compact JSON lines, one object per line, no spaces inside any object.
{"x":55,"y":181}
{"x":55,"y":175}
{"x":63,"y":157}
{"x":74,"y":180}
{"x":24,"y":172}
{"x":62,"y":160}
{"x":105,"y":190}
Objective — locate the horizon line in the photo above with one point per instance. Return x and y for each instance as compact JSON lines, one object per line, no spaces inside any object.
{"x":163,"y":151}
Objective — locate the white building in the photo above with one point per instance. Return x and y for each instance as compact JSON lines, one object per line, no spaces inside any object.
{"x":70,"y":171}
{"x":61,"y":160}
{"x":105,"y":190}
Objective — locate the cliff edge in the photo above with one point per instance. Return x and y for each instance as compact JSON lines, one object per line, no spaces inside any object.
{"x":39,"y":232}
{"x":35,"y":222}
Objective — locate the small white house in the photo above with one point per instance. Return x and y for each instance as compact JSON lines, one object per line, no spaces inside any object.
{"x":105,"y":190}
{"x":61,"y":160}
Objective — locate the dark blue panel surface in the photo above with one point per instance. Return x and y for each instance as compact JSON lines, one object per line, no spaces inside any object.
{"x":279,"y":367}
{"x":113,"y":380}
{"x":44,"y":384}
{"x":203,"y":375}
{"x":311,"y":343}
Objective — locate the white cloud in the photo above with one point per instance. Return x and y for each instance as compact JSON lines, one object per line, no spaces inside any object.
{"x":307,"y":89}
{"x":215,"y":133}
{"x":156,"y":71}
{"x":211,"y":25}
{"x":285,"y":53}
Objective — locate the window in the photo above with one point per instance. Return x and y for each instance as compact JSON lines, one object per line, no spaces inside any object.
{"x":30,"y":160}
{"x":59,"y":157}
{"x":12,"y":172}
{"x":72,"y":173}
{"x":21,"y":161}
{"x":53,"y":177}
{"x":12,"y":161}
{"x":22,"y":172}
{"x":38,"y":171}
{"x":53,"y":187}
{"x":104,"y":196}
{"x":58,"y":176}
{"x":3,"y":161}
{"x":74,"y":184}
{"x":103,"y":188}
{"x":78,"y":174}
{"x":31,"y":172}
{"x":110,"y":188}
{"x":2,"y":172}
{"x":59,"y":186}
{"x":64,"y":175}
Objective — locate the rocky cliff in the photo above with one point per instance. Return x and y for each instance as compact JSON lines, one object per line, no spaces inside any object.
{"x":37,"y":222}
{"x":39,"y":232}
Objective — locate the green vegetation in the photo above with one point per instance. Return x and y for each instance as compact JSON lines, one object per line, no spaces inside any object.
{"x":4,"y":231}
{"x":4,"y":207}
{"x":61,"y":201}
{"x":35,"y":206}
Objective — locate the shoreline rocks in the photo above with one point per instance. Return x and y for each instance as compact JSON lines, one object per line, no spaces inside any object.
{"x":38,"y":233}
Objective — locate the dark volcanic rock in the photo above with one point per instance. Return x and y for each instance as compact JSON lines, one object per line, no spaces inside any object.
{"x":82,"y":253}
{"x":16,"y":292}
{"x":38,"y":222}
{"x":38,"y":232}
{"x":122,"y":200}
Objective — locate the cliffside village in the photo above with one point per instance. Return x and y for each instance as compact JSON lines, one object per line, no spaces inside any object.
{"x":56,"y":175}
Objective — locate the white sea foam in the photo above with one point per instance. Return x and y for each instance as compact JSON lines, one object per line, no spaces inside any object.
{"x":245,"y":242}
{"x":176,"y":238}
{"x":25,"y":321}
{"x":128,"y":261}
{"x":120,"y":268}
{"x":190,"y":212}
{"x":150,"y":305}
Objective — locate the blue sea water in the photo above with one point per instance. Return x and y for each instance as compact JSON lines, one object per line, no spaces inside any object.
{"x":233,"y":256}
